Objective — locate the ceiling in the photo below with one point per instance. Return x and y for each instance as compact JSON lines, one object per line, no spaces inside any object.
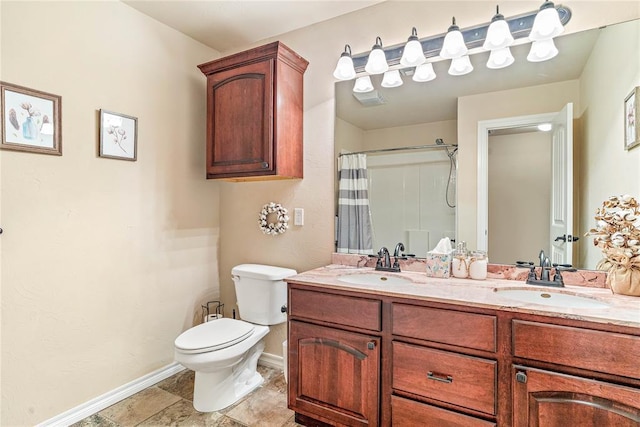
{"x":227,"y":25}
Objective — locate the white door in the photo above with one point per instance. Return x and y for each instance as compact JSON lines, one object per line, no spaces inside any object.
{"x":562,"y":187}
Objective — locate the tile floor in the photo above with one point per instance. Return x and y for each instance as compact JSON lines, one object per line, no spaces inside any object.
{"x":169,"y":403}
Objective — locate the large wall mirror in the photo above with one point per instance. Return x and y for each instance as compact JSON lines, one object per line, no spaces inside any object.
{"x":415,"y":195}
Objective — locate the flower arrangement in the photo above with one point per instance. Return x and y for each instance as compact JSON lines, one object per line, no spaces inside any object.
{"x":617,"y":234}
{"x":282,"y":219}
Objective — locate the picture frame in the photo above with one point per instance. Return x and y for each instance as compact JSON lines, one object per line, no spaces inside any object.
{"x":31,"y":120}
{"x":631,"y":116}
{"x":118,"y":136}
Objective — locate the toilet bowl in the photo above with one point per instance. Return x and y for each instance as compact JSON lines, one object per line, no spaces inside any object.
{"x":224,"y":353}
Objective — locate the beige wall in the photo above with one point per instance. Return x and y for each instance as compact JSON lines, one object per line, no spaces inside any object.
{"x":607,"y":80}
{"x":104,"y":261}
{"x":509,"y":103}
{"x":519,"y":183}
{"x":405,"y":136}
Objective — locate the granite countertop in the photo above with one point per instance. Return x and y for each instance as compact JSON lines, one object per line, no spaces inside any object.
{"x":621,"y":310}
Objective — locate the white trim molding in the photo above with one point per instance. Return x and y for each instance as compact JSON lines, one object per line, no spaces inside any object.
{"x":271,"y":361}
{"x":99,"y":403}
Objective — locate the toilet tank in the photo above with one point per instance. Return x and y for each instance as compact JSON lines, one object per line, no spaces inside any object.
{"x":261,"y":292}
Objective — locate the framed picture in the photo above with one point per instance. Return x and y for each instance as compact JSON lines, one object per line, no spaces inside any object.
{"x":30,"y":120}
{"x":631,"y":126}
{"x":118,"y":136}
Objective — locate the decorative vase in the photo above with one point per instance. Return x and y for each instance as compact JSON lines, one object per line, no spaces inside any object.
{"x":29,"y":129}
{"x":624,"y":281}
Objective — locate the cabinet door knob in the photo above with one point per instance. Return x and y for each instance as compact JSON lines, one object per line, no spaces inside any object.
{"x":521,"y":377}
{"x":371,"y":345}
{"x":265,"y":165}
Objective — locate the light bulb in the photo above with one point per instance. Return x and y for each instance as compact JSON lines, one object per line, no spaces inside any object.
{"x":500,"y":58}
{"x":363,"y":84}
{"x":424,"y":73}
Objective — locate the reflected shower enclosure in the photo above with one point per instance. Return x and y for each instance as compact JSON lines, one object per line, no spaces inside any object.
{"x":412,"y":196}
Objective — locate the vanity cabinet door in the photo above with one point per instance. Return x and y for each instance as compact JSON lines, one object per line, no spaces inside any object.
{"x":548,"y":399}
{"x":334,"y":374}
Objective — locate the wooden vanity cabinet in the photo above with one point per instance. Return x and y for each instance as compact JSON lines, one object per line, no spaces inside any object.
{"x":552,"y":396}
{"x":334,"y":358}
{"x":254,"y":114}
{"x":357,"y":359}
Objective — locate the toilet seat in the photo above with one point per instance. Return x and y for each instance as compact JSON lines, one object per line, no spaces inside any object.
{"x":213,"y":335}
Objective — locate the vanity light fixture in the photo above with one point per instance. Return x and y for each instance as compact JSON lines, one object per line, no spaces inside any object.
{"x":377,"y":62}
{"x":424,"y":73}
{"x":460,"y":66}
{"x":498,"y":40}
{"x":453,"y":45}
{"x":391,"y":79}
{"x":412,"y":56}
{"x":539,"y":27}
{"x":498,"y":35}
{"x":344,"y":70}
{"x":500,"y":58}
{"x":542,"y":50}
{"x":547,"y":23}
{"x":363,"y":84}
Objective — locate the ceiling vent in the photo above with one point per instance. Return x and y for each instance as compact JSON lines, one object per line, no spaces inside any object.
{"x":369,"y":99}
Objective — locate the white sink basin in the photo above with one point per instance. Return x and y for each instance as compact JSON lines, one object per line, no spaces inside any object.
{"x":551,"y":298}
{"x":372,"y":279}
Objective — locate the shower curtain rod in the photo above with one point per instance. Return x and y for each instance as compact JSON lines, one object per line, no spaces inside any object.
{"x":415,"y":147}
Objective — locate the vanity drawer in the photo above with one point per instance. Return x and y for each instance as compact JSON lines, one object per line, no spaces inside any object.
{"x":344,"y":310}
{"x":470,"y":330}
{"x":461,"y":380}
{"x":577,"y":347}
{"x":405,"y":412}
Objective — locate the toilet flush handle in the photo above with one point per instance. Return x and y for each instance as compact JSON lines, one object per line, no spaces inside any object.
{"x":283,"y":309}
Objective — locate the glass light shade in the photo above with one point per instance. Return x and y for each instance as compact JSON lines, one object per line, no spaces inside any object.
{"x":363,"y":84}
{"x":460,"y":66}
{"x":453,"y":46}
{"x":377,"y":61}
{"x":412,"y":56}
{"x":344,"y":70}
{"x":547,"y":23}
{"x":391,"y":79}
{"x":498,"y":35}
{"x":424,"y":73}
{"x":542,"y":50}
{"x":500,"y":58}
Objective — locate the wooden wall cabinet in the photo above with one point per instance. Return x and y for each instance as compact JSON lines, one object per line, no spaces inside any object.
{"x":254,"y":114}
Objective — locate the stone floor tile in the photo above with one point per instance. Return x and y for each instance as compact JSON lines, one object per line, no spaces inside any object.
{"x":139,"y":407}
{"x":276,"y":383}
{"x":182,"y":413}
{"x":266,"y":407}
{"x":180,"y":384}
{"x":95,"y":420}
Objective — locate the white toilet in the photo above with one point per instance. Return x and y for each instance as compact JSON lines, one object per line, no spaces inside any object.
{"x":224,"y":353}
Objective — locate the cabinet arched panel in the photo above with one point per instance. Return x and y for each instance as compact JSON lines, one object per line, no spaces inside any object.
{"x":337,"y":372}
{"x":549,"y":399}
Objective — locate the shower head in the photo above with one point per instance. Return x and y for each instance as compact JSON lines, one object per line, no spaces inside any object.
{"x":439,"y":141}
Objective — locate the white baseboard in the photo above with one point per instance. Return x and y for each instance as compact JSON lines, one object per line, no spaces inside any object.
{"x":114,"y":396}
{"x":93,"y":406}
{"x":271,"y":361}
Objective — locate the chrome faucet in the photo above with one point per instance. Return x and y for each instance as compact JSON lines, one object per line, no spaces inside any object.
{"x":384,"y":261}
{"x":399,"y":248}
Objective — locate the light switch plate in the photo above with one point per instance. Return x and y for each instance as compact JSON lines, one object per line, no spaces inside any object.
{"x":298,"y":216}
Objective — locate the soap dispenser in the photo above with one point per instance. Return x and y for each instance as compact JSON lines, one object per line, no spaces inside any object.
{"x":460,"y":263}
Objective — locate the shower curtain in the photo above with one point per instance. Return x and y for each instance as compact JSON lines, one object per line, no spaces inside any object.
{"x":354,"y":231}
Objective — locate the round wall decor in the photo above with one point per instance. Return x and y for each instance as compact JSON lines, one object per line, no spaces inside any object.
{"x":282,"y":219}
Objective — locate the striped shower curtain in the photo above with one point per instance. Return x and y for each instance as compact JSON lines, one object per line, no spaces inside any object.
{"x":354,"y":231}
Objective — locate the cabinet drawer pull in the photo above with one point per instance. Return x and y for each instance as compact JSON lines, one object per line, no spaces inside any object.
{"x":440,"y":377}
{"x":371,"y":345}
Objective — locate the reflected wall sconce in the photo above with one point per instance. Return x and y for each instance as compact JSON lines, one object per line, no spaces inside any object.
{"x":540,"y":27}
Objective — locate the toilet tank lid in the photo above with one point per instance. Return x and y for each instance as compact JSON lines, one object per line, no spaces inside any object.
{"x":265,"y":272}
